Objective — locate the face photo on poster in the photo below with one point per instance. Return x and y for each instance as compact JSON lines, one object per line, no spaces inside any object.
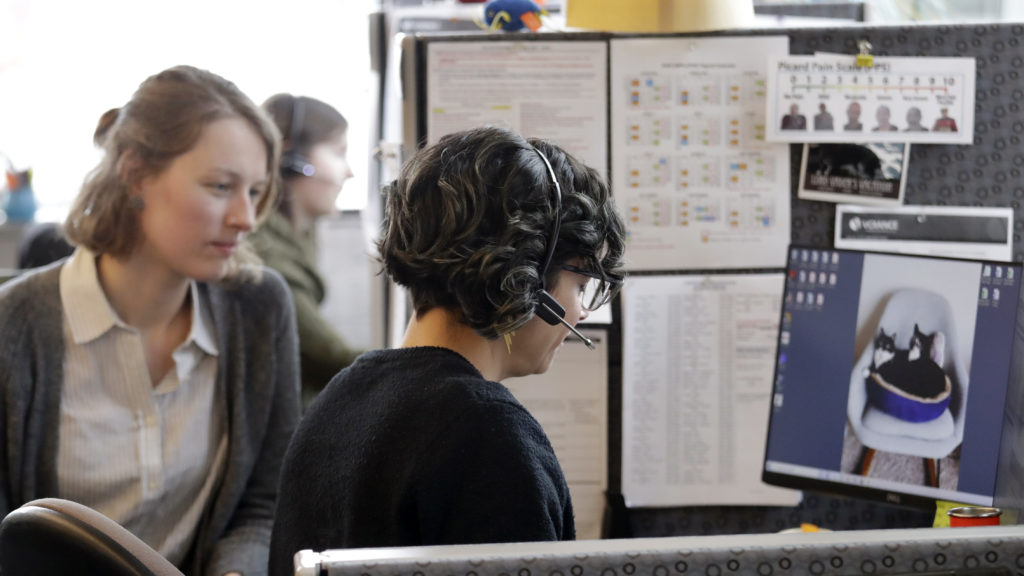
{"x":872,"y":174}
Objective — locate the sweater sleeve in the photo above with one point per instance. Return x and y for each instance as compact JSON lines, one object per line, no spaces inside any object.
{"x":497,"y":480}
{"x":245,"y":545}
{"x":31,"y":378}
{"x":8,"y":349}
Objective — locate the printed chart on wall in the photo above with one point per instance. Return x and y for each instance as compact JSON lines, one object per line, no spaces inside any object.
{"x":692,"y":174}
{"x":546,"y":89}
{"x":698,"y":360}
{"x":828,"y":98}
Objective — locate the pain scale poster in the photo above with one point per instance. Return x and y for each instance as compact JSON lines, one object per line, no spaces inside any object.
{"x":828,"y":98}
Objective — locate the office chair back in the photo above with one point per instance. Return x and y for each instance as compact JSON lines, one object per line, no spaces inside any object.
{"x":42,"y":244}
{"x":51,"y":536}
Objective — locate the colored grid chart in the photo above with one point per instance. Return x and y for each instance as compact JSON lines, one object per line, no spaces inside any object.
{"x":749,"y":171}
{"x":648,"y":130}
{"x":647,"y":171}
{"x":698,"y":130}
{"x":699,"y":209}
{"x":647,"y":91}
{"x":750,"y":212}
{"x":745,"y":129}
{"x":745,"y":88}
{"x":649,"y":210}
{"x":698,"y":172}
{"x":698,"y":91}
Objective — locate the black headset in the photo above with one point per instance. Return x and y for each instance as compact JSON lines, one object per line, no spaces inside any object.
{"x":548,"y":309}
{"x":294,"y":162}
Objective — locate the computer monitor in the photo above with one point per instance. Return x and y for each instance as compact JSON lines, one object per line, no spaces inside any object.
{"x":891,"y":376}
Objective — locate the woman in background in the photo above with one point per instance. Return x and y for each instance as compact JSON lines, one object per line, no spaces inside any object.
{"x":492,"y":234}
{"x":314,"y":167}
{"x":153,"y":375}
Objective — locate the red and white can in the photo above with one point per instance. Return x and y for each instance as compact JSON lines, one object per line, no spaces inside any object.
{"x":973,"y":516}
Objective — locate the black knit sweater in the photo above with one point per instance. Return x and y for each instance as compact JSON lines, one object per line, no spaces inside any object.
{"x":414,"y":447}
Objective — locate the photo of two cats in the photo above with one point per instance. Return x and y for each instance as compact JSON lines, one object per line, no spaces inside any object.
{"x":908,"y":388}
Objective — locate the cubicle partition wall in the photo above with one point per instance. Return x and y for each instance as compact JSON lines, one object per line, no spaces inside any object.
{"x":987,"y":173}
{"x":986,"y":551}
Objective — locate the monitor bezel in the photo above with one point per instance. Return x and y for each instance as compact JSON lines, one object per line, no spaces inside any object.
{"x":842,"y":489}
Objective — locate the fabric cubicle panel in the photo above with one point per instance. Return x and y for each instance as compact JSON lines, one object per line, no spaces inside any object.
{"x":988,"y":551}
{"x":987,"y":173}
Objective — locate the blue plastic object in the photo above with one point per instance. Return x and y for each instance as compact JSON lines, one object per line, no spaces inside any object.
{"x":511,"y":15}
{"x":21,"y":205}
{"x":902,"y":407}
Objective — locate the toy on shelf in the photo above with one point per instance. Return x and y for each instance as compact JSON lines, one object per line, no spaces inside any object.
{"x":20,"y":204}
{"x":512,"y":15}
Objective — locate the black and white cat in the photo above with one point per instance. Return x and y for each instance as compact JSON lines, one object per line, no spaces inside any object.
{"x":885,"y":350}
{"x":916,"y":369}
{"x":930,"y":346}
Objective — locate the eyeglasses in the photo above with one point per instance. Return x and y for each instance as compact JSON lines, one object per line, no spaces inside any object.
{"x":598,"y":291}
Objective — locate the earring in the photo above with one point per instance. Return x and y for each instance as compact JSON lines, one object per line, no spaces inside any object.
{"x":508,"y":341}
{"x":137,"y":203}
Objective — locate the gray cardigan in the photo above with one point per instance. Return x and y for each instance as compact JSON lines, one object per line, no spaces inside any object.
{"x":258,"y":368}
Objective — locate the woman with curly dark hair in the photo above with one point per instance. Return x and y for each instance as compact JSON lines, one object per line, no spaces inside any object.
{"x":504,"y":243}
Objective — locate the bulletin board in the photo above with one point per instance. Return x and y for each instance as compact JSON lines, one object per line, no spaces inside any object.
{"x":987,"y":173}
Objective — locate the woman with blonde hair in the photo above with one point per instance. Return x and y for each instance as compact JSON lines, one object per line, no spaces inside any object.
{"x":153,"y":375}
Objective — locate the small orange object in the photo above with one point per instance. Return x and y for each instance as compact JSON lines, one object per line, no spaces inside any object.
{"x":805,"y":527}
{"x":531,"y":20}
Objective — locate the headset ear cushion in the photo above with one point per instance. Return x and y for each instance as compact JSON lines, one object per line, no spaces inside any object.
{"x":548,"y":309}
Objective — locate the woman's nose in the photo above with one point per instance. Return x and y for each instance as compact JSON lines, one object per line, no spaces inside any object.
{"x":242,"y":213}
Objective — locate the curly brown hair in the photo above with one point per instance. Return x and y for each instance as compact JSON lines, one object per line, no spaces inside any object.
{"x":468,"y":222}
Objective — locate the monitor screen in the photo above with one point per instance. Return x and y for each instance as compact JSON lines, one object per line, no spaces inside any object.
{"x":891,"y":375}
